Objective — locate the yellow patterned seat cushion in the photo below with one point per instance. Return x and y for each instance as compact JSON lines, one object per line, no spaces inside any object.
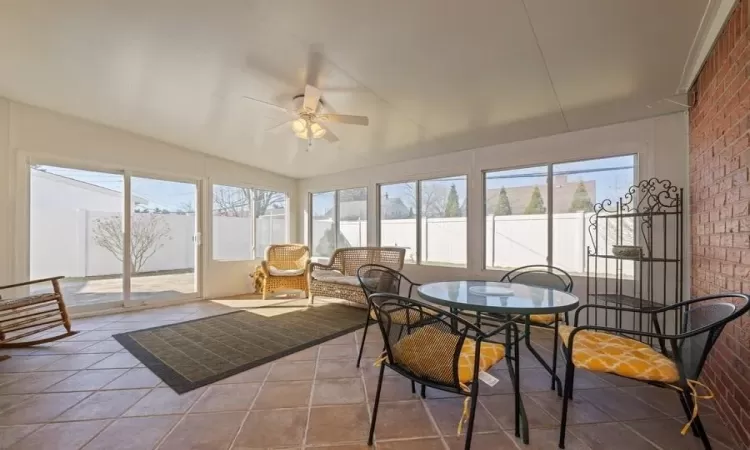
{"x":545,"y":319}
{"x":605,"y":352}
{"x":429,"y":352}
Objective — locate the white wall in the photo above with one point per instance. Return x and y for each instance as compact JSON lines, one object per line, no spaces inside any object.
{"x":30,"y":134}
{"x":661,"y":144}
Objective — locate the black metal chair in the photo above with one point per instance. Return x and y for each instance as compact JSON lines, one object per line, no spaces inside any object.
{"x":440,"y":352}
{"x":678,"y":363}
{"x":374,"y":279}
{"x":548,"y":277}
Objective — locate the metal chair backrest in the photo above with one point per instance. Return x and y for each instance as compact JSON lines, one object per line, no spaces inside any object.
{"x":437,"y":337}
{"x":541,"y":276}
{"x":376,"y":278}
{"x":709,"y":319}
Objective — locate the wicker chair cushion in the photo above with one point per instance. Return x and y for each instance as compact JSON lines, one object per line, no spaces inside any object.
{"x":605,"y":352}
{"x":324,"y":275}
{"x":285,"y":272}
{"x":350,"y":281}
{"x":430,"y":352}
{"x":10,"y":303}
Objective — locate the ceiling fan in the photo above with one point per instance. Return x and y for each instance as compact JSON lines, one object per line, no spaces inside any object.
{"x":306,"y":120}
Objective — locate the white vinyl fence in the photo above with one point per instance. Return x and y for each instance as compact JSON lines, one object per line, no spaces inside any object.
{"x":510,"y":241}
{"x":63,"y":242}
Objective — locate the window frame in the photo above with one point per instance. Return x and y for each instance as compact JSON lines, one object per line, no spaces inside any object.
{"x":418,"y":215}
{"x":550,"y":200}
{"x":336,"y":214}
{"x":254,"y":238}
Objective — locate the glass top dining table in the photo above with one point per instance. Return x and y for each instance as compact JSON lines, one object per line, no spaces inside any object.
{"x":498,"y":298}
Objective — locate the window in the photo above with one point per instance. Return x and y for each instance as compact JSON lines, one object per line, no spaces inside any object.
{"x":427,"y":218}
{"x":270,"y":214}
{"x":339,"y":220}
{"x":516,"y":210}
{"x":525,"y":226}
{"x":352,"y":217}
{"x":577,"y":187}
{"x":246,"y":221}
{"x":398,"y":218}
{"x":443,"y":221}
{"x":323,"y":228}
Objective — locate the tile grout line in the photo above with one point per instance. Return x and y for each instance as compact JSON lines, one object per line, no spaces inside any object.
{"x":433,"y":421}
{"x":250,"y":408}
{"x":512,"y":437}
{"x":364,"y":388}
{"x":312,"y":394}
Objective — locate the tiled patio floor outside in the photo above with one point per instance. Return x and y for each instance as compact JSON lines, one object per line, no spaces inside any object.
{"x":86,"y":291}
{"x":88,"y":392}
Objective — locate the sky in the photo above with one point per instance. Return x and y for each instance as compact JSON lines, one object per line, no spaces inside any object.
{"x":161,"y":194}
{"x":175,"y":195}
{"x":613,"y":176}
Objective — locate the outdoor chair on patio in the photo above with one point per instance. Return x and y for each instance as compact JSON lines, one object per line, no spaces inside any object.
{"x":285,"y":268}
{"x":548,"y":277}
{"x":676,"y":365}
{"x":379,"y":279}
{"x":22,"y":317}
{"x":442,"y":351}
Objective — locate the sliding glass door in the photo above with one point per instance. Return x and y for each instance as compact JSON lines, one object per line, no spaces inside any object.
{"x":163,"y":240}
{"x":75,"y":230}
{"x":118,"y":239}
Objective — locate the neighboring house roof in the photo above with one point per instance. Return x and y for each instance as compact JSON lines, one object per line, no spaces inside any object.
{"x":84,"y":185}
{"x":519,"y":196}
{"x":350,"y":210}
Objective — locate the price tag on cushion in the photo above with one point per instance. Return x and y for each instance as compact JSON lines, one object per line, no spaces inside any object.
{"x":488,"y":379}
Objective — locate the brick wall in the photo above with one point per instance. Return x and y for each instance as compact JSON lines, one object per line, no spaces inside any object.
{"x":720,"y":194}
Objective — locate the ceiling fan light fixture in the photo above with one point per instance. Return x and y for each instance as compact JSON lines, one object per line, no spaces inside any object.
{"x":299,"y":127}
{"x":317,"y":131}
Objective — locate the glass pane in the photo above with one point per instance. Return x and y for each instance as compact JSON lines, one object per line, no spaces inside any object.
{"x":323,"y":239}
{"x":76,"y":231}
{"x":577,"y":187}
{"x":516,"y":210}
{"x":163,"y":226}
{"x":232,"y":224}
{"x":270,"y":220}
{"x":443,"y":211}
{"x":398,"y":218}
{"x":352,"y":217}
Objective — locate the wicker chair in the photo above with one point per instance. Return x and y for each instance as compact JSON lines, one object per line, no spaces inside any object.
{"x":22,"y":317}
{"x":676,"y":365}
{"x":286,"y":267}
{"x":338,"y":279}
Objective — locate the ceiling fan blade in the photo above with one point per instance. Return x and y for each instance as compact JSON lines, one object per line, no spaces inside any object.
{"x":344,"y":118}
{"x":280,"y":108}
{"x":330,"y":137}
{"x":312,"y":97}
{"x":314,"y":64}
{"x":278,"y":126}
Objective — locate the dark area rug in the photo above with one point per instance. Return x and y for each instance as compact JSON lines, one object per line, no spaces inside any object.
{"x":192,"y":354}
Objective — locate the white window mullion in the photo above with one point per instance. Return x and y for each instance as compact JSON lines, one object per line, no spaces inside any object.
{"x":126,"y":238}
{"x":550,"y":204}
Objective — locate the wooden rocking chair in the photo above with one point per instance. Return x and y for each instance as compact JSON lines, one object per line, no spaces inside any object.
{"x":26,"y":316}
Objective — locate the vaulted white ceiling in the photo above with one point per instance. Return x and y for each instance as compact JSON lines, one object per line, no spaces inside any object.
{"x":434,"y":76}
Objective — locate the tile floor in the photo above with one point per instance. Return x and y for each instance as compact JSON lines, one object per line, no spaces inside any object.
{"x":88,"y":392}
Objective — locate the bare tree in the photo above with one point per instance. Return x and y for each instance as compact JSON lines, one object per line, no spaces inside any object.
{"x":434,"y":198}
{"x":237,"y":202}
{"x":148,"y":231}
